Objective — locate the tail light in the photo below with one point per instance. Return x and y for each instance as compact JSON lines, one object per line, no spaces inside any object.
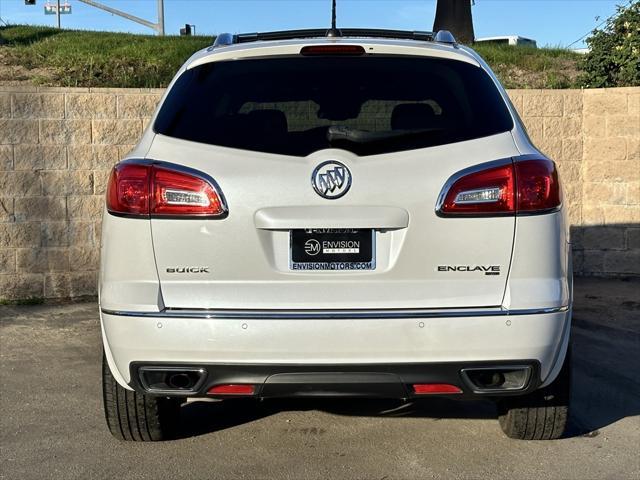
{"x":162,"y":189}
{"x":538,"y":186}
{"x":526,"y":186}
{"x":332,"y":50}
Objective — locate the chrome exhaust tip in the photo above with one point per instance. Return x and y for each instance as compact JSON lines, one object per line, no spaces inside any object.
{"x":502,"y":378}
{"x":172,"y":380}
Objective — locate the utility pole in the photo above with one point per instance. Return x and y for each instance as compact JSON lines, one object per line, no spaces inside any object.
{"x":161,"y":18}
{"x":58,"y":13}
{"x":158,"y":27}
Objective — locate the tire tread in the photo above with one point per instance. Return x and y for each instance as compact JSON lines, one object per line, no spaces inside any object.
{"x":132,"y":416}
{"x":541,"y":415}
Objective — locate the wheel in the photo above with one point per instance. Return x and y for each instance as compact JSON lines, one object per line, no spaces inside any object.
{"x":540,"y":415}
{"x":133,"y":416}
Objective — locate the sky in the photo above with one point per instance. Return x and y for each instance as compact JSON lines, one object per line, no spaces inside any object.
{"x":550,"y":22}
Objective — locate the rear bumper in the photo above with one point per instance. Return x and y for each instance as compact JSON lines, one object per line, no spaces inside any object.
{"x":338,"y":380}
{"x":414,"y":346}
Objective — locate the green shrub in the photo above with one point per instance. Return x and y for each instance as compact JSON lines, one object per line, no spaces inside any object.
{"x":614,"y":59}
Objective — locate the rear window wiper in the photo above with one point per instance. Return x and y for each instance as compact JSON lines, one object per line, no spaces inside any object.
{"x":344,"y":133}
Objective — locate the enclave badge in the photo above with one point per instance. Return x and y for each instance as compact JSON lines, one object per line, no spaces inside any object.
{"x":487,"y":269}
{"x":331,"y":179}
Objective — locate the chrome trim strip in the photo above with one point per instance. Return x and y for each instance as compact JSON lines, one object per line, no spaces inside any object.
{"x":333,"y":314}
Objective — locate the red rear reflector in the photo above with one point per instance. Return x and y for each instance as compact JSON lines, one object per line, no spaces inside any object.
{"x":332,"y":50}
{"x":433,"y":388}
{"x":233,"y":389}
{"x":523,"y":186}
{"x":143,"y":189}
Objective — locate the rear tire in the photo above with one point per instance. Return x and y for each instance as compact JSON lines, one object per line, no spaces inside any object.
{"x":540,"y":415}
{"x":136,"y":417}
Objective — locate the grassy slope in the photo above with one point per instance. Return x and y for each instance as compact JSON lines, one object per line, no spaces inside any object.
{"x":532,"y":68}
{"x":48,"y":56}
{"x":96,"y":59}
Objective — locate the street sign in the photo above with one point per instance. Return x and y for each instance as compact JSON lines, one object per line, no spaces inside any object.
{"x":51,"y":8}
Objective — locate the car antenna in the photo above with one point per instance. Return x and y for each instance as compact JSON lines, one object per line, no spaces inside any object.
{"x":333,"y":31}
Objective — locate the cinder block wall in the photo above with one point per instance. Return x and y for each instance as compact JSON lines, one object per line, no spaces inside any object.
{"x":57,"y":146}
{"x":594,"y":136}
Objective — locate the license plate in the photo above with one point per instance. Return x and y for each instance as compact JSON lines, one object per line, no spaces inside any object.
{"x":332,"y":249}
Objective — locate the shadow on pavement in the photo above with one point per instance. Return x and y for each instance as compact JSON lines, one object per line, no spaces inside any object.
{"x":198,"y":418}
{"x":606,"y":378}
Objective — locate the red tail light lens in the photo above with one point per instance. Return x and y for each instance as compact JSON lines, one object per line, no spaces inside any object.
{"x":176,"y":193}
{"x":520,"y":187}
{"x":146,"y":189}
{"x":538,"y":185}
{"x":486,"y":191}
{"x":128,"y":189}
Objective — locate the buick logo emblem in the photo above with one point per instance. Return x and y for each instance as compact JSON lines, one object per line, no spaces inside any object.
{"x":331,"y":179}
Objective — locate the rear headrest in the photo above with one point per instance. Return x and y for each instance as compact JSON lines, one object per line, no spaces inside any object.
{"x":270,"y":122}
{"x":410,"y":116}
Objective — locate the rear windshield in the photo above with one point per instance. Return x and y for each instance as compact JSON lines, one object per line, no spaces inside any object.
{"x":367,"y":105}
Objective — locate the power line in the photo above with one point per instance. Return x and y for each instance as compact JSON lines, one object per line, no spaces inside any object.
{"x":158,"y":27}
{"x":602,"y":23}
{"x":1,"y":19}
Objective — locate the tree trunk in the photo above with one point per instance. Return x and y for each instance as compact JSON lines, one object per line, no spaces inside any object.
{"x":455,"y":16}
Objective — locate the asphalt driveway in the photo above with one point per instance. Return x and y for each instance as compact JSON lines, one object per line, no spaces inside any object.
{"x":52,"y":425}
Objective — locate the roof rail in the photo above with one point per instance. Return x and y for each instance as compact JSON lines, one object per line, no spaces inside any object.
{"x":445,"y":36}
{"x":346,"y":32}
{"x":381,"y":33}
{"x":226,"y":39}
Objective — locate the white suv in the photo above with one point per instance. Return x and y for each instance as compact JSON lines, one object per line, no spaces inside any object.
{"x":359,"y":214}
